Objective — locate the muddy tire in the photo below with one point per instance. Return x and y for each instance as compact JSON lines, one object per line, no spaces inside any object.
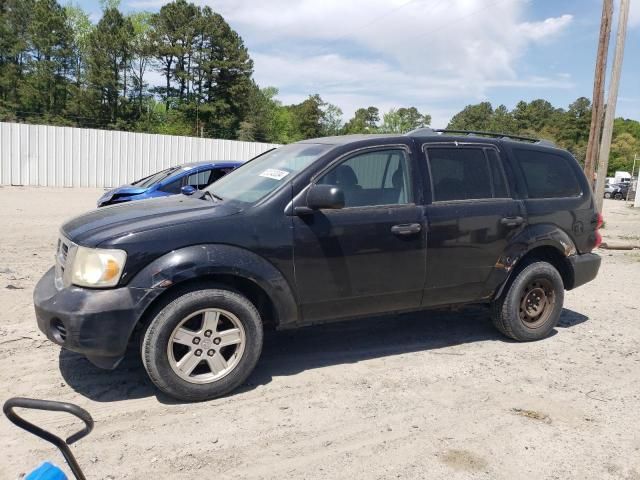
{"x":531,"y":305}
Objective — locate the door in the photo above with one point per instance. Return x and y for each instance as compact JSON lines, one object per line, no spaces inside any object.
{"x":369,"y":256}
{"x":471,"y":218}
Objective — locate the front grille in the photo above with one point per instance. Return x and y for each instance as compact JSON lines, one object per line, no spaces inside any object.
{"x":63,"y":251}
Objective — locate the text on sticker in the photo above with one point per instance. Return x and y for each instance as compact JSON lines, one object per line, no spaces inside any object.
{"x":274,"y":173}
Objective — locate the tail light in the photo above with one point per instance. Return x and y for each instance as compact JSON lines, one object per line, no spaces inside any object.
{"x":599,"y":223}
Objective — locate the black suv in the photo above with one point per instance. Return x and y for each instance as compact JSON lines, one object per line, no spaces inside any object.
{"x":324,"y":229}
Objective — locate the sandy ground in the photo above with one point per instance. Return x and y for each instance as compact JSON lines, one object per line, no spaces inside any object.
{"x":433,"y":395}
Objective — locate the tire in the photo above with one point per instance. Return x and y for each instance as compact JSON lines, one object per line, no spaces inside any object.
{"x":618,"y":196}
{"x":607,"y":195}
{"x":179,"y":351}
{"x":536,"y":284}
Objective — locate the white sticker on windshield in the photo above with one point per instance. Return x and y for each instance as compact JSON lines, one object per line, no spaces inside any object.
{"x":274,"y":173}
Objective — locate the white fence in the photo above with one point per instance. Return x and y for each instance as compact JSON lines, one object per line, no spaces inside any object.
{"x":78,"y":157}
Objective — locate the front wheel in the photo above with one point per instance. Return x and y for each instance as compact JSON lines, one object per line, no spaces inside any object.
{"x":203,"y":344}
{"x":531,"y":306}
{"x":618,"y":196}
{"x":607,"y":195}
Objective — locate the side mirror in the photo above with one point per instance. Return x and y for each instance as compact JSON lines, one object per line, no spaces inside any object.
{"x":188,"y":190}
{"x":325,"y":196}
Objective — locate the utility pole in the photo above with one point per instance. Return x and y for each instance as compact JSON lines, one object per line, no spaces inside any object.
{"x":597,"y":106}
{"x":636,"y":203}
{"x":612,"y":99}
{"x":633,"y":175}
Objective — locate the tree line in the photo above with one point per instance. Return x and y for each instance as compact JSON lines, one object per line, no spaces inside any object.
{"x":57,"y":67}
{"x":566,"y":128}
{"x":185,"y":71}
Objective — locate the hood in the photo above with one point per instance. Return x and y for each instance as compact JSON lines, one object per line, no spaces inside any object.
{"x":107,"y":223}
{"x":124,"y":191}
{"x":128,"y":190}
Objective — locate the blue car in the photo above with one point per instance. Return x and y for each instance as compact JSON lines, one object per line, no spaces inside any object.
{"x":169,"y":182}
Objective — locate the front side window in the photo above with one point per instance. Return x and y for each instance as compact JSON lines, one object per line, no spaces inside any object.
{"x":547,"y":175}
{"x":172,"y":187}
{"x":465,"y":173}
{"x":374,"y":178}
{"x":255,"y":179}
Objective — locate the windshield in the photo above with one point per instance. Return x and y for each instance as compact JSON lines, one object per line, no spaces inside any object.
{"x":155,"y":178}
{"x":256,"y":179}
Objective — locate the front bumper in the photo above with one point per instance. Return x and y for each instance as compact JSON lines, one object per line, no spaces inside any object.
{"x":95,"y":323}
{"x":585,"y":268}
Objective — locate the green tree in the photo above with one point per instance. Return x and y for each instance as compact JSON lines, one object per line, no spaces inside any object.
{"x":15,"y":21}
{"x":502,"y":121}
{"x":173,"y":34}
{"x":331,"y":122}
{"x":403,"y":120}
{"x":623,"y":147}
{"x":109,"y":54}
{"x":536,"y":115}
{"x":365,"y":120}
{"x":225,"y":69}
{"x":308,"y":117}
{"x":473,"y":117}
{"x":141,"y":51}
{"x":44,"y":88}
{"x":81,"y":27}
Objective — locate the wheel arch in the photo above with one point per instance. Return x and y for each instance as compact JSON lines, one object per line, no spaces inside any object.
{"x":221,"y":266}
{"x":541,"y":242}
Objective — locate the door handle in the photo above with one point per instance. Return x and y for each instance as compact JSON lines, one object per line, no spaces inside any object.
{"x":406,"y":229}
{"x":512,"y":221}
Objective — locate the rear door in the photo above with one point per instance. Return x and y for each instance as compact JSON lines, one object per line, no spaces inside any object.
{"x":556,"y":193}
{"x":471,"y":217}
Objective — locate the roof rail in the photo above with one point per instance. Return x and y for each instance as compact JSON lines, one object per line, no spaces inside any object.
{"x":418,"y":132}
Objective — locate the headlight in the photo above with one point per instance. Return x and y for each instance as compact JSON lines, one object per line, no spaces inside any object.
{"x":96,"y":267}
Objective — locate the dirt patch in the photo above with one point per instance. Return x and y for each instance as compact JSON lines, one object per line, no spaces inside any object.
{"x":532,"y":414}
{"x":464,"y":460}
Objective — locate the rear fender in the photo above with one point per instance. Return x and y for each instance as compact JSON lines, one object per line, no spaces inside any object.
{"x":530,"y":238}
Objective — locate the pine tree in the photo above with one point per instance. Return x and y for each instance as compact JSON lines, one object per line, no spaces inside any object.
{"x":109,"y":51}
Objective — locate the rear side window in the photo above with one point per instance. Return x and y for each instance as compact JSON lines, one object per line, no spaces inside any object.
{"x":199,"y":180}
{"x":465,"y":173}
{"x":547,"y":175}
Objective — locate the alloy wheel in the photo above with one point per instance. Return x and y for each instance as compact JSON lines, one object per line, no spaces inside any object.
{"x":206,"y":345}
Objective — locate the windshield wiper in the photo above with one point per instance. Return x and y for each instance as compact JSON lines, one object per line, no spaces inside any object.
{"x":212,"y":196}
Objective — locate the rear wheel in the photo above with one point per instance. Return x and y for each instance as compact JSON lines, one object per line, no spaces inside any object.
{"x":618,"y":196}
{"x":531,"y":306}
{"x":607,"y":195}
{"x":203,"y":344}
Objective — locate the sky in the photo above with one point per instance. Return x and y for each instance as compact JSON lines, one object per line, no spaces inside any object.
{"x":436,"y":55}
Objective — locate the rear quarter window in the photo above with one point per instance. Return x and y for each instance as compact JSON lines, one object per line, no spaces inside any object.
{"x":547,"y":175}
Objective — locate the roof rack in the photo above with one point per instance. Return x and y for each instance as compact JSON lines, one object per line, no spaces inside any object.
{"x":419,"y":132}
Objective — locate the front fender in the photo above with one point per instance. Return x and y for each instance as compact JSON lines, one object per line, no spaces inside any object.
{"x":530,"y":238}
{"x":200,"y":261}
